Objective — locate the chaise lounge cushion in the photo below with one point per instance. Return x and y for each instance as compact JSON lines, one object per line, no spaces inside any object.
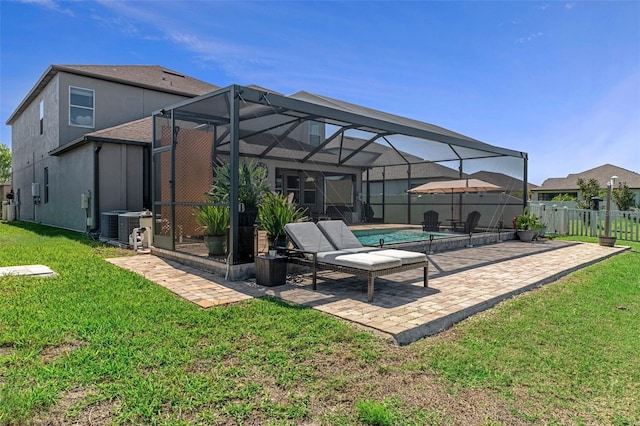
{"x":364,"y":261}
{"x":406,"y":256}
{"x":343,"y":239}
{"x":306,"y":236}
{"x":339,"y":234}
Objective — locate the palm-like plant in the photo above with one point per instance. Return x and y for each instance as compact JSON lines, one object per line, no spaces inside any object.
{"x":213,"y":219}
{"x":251,"y":184}
{"x":275,"y":212}
{"x":251,"y":188}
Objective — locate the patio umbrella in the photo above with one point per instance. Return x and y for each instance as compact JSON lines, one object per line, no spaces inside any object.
{"x":457,"y":186}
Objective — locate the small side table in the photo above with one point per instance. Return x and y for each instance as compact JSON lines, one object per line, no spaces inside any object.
{"x":271,"y":270}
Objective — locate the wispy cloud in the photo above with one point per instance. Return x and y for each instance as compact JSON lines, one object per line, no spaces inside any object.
{"x":138,"y":20}
{"x":50,"y":5}
{"x":543,"y":6}
{"x":569,"y":6}
{"x":119,"y":23}
{"x":530,"y":37}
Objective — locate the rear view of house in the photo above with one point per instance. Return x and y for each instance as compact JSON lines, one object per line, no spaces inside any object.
{"x":80,"y":140}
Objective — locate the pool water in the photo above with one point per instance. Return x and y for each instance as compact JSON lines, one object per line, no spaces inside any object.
{"x":369,"y":237}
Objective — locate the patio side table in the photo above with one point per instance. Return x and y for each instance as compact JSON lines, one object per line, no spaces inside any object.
{"x":271,"y":270}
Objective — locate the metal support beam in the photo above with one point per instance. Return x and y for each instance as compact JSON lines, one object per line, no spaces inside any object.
{"x":286,"y":123}
{"x":408,"y":193}
{"x":280,"y":138}
{"x":234,"y":159}
{"x":363,"y":146}
{"x":397,"y":152}
{"x":172,"y":181}
{"x":525,"y":178}
{"x":384,"y":191}
{"x":326,"y":142}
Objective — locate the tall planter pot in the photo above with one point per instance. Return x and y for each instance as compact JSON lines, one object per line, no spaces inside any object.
{"x":248,"y":216}
{"x":246,"y":243}
{"x":216,"y":244}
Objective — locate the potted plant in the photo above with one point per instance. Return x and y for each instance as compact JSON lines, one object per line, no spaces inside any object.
{"x":527,"y":226}
{"x":215,"y":221}
{"x":276,"y":210}
{"x":251,"y":188}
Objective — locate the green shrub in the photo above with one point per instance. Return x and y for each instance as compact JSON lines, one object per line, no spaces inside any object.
{"x":276,"y":211}
{"x":213,"y":219}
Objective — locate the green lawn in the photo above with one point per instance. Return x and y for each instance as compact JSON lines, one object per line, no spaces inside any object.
{"x":100,"y":345}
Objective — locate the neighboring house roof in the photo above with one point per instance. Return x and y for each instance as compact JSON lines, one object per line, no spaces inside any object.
{"x":507,"y":182}
{"x":152,"y":77}
{"x":601,"y":173}
{"x":418,"y":170}
{"x":440,"y":172}
{"x":137,"y":132}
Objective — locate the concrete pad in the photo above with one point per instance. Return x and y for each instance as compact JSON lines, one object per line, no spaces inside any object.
{"x":29,"y":270}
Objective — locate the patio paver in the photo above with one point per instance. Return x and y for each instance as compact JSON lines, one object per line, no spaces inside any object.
{"x":461,"y":283}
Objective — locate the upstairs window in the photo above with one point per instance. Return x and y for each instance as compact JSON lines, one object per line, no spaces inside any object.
{"x":41,"y":117}
{"x":314,"y":133}
{"x":81,"y":103}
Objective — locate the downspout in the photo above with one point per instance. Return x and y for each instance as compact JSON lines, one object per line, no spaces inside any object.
{"x":96,"y":187}
{"x":525,"y":181}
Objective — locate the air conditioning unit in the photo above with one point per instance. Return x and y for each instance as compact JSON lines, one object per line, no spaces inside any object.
{"x":127,"y":222}
{"x":109,"y":224}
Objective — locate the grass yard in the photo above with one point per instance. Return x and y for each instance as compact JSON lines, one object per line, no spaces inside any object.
{"x":99,"y":345}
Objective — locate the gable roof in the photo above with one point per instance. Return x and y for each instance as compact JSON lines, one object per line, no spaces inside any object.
{"x":152,"y":77}
{"x":507,"y":182}
{"x":601,"y":173}
{"x":137,"y":132}
{"x":374,"y":121}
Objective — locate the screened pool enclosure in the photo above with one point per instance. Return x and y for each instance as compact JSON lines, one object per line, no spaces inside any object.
{"x":336,"y":160}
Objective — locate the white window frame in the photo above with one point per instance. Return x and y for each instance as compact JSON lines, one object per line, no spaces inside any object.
{"x":92,"y":109}
{"x":315,"y":132}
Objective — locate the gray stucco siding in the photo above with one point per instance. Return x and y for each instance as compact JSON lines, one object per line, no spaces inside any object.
{"x":121,"y":177}
{"x":114,"y":104}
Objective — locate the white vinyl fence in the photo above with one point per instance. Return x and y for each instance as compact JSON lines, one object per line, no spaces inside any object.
{"x":625,"y":225}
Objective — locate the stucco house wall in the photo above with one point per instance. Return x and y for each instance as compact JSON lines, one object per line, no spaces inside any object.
{"x":71,"y":172}
{"x":114,"y":103}
{"x":121,"y":177}
{"x":29,"y":148}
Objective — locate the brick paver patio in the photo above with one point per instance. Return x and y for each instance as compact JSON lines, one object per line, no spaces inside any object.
{"x":461,"y":283}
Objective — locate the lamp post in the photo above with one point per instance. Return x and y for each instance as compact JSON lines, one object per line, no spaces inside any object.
{"x":606,"y":239}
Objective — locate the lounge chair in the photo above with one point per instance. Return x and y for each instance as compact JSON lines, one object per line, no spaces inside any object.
{"x":470,"y":224}
{"x":342,"y":238}
{"x":314,"y":249}
{"x":430,"y":221}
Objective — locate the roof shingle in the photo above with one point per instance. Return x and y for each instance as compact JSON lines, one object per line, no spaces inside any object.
{"x":601,"y":173}
{"x":152,"y":77}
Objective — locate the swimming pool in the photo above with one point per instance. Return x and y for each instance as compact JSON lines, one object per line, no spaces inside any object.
{"x":369,"y":237}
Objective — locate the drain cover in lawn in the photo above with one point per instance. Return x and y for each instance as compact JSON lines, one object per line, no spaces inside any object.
{"x":32,"y":270}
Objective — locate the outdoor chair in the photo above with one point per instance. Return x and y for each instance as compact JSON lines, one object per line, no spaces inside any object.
{"x":430,"y":222}
{"x":313,"y":248}
{"x":470,"y":224}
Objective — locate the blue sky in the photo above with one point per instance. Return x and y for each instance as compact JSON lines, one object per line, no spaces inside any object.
{"x":559,"y":80}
